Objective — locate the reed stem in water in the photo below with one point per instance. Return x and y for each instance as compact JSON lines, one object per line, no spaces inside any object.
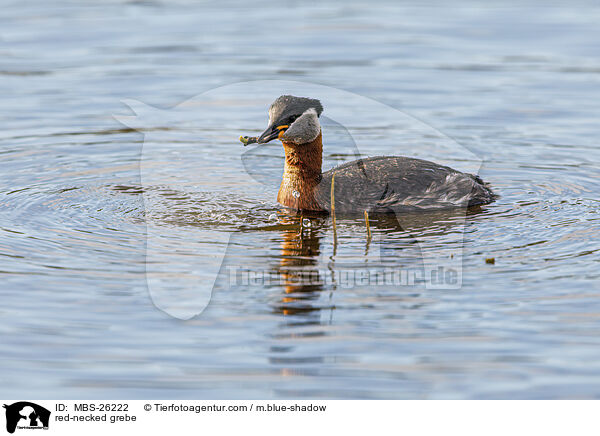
{"x":368,"y":226}
{"x":333,"y":212}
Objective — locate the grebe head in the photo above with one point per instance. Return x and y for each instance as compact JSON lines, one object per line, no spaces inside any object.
{"x":293,"y":120}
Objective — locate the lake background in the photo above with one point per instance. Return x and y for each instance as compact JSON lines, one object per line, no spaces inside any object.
{"x":517,"y":86}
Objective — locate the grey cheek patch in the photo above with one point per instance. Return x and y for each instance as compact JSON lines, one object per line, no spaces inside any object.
{"x":305,"y":129}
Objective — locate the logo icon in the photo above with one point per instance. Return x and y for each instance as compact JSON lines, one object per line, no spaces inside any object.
{"x":26,"y":415}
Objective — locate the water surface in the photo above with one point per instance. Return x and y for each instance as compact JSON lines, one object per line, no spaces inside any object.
{"x":516,"y":86}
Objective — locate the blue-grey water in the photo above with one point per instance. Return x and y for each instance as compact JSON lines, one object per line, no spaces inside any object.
{"x":516,"y":86}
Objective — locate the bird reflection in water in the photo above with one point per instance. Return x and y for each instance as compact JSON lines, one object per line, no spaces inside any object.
{"x":298,"y":268}
{"x":303,"y":269}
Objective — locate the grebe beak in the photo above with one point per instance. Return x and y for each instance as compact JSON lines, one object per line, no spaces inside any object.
{"x":272,"y":132}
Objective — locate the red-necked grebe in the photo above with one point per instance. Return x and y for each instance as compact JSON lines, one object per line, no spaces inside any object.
{"x":382,"y":184}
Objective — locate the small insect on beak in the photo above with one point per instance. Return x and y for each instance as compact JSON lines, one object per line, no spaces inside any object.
{"x":273,"y":132}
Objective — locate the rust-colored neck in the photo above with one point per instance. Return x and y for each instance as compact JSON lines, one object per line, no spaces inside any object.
{"x":301,"y":175}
